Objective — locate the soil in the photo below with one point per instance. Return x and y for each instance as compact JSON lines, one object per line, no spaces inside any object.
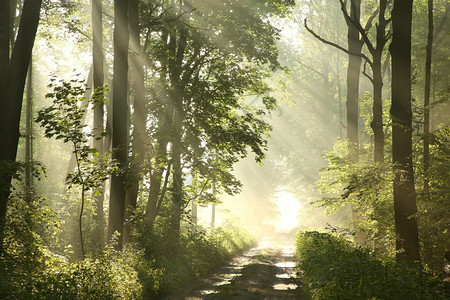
{"x":265,"y":272}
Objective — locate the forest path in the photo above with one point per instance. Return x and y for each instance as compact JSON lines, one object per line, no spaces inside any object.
{"x":263,"y":272}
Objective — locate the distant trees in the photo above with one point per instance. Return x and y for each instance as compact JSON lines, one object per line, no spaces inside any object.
{"x":369,"y":187}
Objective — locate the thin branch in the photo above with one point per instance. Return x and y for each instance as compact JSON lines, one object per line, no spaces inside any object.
{"x":366,"y":74}
{"x":200,"y":192}
{"x":312,"y":70}
{"x":336,"y":45}
{"x":163,"y":192}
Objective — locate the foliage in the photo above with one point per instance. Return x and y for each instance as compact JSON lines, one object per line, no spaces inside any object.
{"x":334,"y":268}
{"x":197,"y":252}
{"x":434,"y":206}
{"x":64,"y":120}
{"x":367,"y":187}
{"x":111,"y":275}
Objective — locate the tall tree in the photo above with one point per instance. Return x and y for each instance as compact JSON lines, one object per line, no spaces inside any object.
{"x":353,"y":74}
{"x":204,"y":78}
{"x":139,"y":117}
{"x":405,"y":206}
{"x":376,"y":51}
{"x":426,"y":102}
{"x":12,"y":83}
{"x":99,"y":112}
{"x":119,"y":120}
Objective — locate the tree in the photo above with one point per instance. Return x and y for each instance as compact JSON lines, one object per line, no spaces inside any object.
{"x":12,"y":83}
{"x":405,"y":207}
{"x":64,"y":120}
{"x":119,"y":120}
{"x":353,"y":73}
{"x":139,"y":117}
{"x":376,"y":51}
{"x":204,"y":78}
{"x":426,"y":101}
{"x":98,"y":82}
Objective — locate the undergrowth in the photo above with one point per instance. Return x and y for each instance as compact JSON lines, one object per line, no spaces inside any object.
{"x":148,"y":269}
{"x":197,"y":252}
{"x":335,"y":268}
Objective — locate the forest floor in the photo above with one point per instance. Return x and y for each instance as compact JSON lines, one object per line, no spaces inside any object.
{"x":264,"y":272}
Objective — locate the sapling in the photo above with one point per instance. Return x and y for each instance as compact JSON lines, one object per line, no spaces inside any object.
{"x":63,"y":120}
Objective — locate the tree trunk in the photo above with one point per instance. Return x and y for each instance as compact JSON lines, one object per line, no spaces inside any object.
{"x":139,"y":120}
{"x":353,"y":72}
{"x":177,"y":189}
{"x":426,"y":103}
{"x":405,"y":206}
{"x":11,"y":92}
{"x":99,"y":112}
{"x":377,"y":110}
{"x":155,"y":196}
{"x":29,"y":135}
{"x":119,"y":121}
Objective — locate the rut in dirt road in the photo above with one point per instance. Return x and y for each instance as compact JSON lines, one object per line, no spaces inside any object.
{"x":264,"y":272}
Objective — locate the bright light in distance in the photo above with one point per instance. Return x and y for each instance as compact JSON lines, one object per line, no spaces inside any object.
{"x":288,"y":207}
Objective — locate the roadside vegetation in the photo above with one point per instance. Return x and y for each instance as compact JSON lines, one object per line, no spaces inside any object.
{"x":160,"y":268}
{"x":333,"y":267}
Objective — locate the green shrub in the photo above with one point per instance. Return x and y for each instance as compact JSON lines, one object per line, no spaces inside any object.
{"x":334,"y":268}
{"x":197,"y":252}
{"x":111,"y":275}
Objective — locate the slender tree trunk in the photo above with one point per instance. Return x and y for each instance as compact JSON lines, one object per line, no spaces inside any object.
{"x":377,"y":121}
{"x":353,"y":74}
{"x":120,"y":119}
{"x":177,"y":46}
{"x":139,"y":120}
{"x":99,"y":112}
{"x":12,"y":86}
{"x":29,"y":134}
{"x":405,"y":206}
{"x":426,"y":103}
{"x":213,"y":207}
{"x":194,"y":213}
{"x":177,"y":189}
{"x":155,"y":183}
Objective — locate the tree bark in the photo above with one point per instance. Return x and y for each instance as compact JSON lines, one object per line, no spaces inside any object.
{"x":426,"y":103}
{"x":119,"y":121}
{"x":139,"y":117}
{"x":177,"y":97}
{"x":29,"y":134}
{"x":99,"y":112}
{"x":353,"y":73}
{"x":405,"y":207}
{"x":377,"y":110}
{"x":11,"y":92}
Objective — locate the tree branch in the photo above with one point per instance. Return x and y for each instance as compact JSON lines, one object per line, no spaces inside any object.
{"x":365,"y":73}
{"x":336,"y":45}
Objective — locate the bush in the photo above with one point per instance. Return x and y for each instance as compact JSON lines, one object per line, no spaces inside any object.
{"x":334,"y":268}
{"x":111,"y":275}
{"x":197,"y":252}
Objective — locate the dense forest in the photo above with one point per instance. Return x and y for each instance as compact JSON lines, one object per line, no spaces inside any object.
{"x":147,"y":143}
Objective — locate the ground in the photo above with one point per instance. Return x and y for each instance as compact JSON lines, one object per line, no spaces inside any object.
{"x":264,"y":272}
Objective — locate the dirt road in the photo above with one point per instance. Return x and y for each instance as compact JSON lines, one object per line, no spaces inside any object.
{"x":264,"y":272}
